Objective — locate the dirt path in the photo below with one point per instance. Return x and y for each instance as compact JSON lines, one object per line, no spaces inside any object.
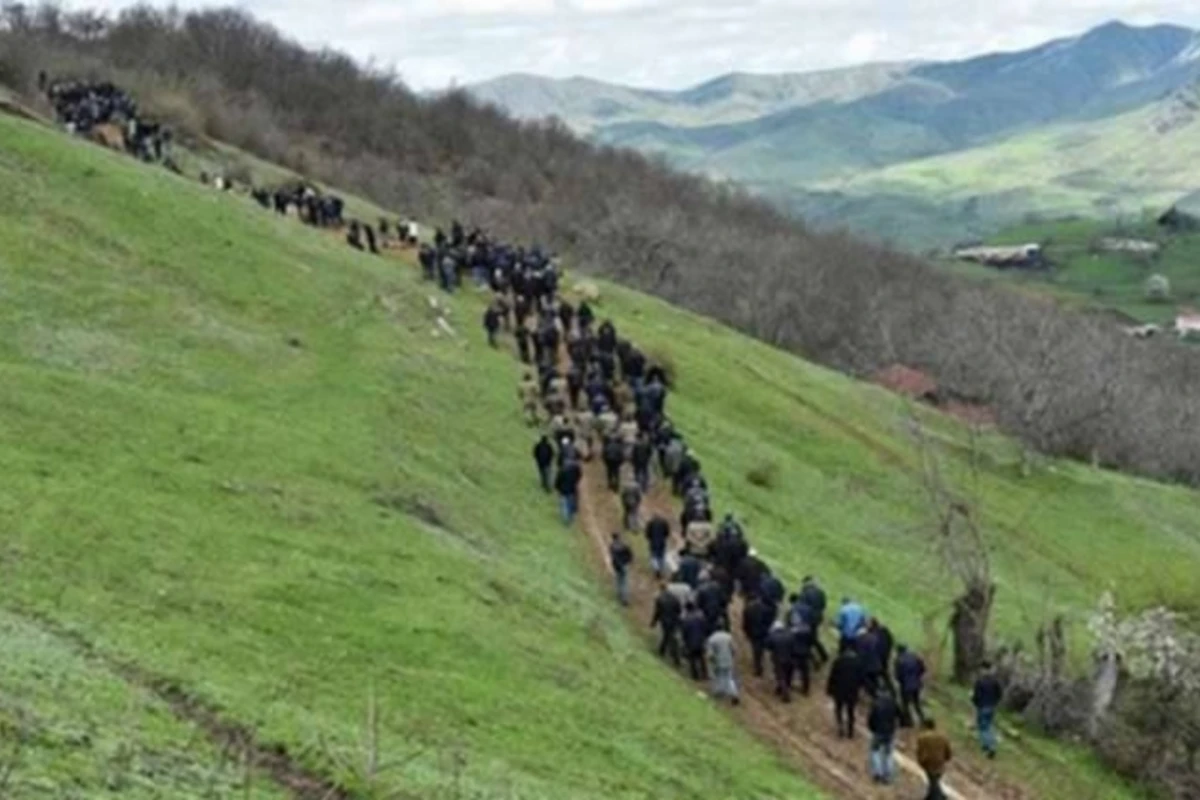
{"x":803,"y":732}
{"x":234,"y":739}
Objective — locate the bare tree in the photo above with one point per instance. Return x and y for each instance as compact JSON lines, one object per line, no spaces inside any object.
{"x":956,"y":531}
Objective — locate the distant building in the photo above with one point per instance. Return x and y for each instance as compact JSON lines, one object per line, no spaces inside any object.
{"x":1024,"y":256}
{"x":1184,"y":216}
{"x":1187,"y":323}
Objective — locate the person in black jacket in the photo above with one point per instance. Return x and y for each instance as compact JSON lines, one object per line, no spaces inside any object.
{"x":643,"y":452}
{"x":883,"y":722}
{"x":690,"y":567}
{"x":658,"y":534}
{"x":714,"y":603}
{"x":567,"y":483}
{"x":844,"y":685}
{"x":814,"y":597}
{"x":614,"y":456}
{"x":910,"y":678}
{"x":522,"y":336}
{"x":620,"y":556}
{"x":694,"y":628}
{"x":884,"y":642}
{"x":803,"y":638}
{"x":781,"y":643}
{"x":543,"y":456}
{"x":668,"y":612}
{"x":757,"y":619}
{"x":986,"y":699}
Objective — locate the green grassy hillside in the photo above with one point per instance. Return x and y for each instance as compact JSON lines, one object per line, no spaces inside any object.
{"x":236,"y":455}
{"x":1113,"y":167}
{"x":1084,"y":276}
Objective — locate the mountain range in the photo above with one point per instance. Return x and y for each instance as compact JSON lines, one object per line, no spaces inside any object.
{"x":921,"y":153}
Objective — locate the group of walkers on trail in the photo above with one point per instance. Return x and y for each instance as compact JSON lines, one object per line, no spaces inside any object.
{"x":82,"y":107}
{"x":597,"y":397}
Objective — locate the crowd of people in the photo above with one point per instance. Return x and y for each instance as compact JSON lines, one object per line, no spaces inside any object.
{"x":83,"y":107}
{"x":597,"y":397}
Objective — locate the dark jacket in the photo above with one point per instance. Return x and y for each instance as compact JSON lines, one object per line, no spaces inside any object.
{"x":750,"y":574}
{"x":614,"y":451}
{"x":867,"y":645}
{"x":695,"y":632}
{"x":642,"y":453}
{"x":814,"y":596}
{"x":884,"y":717}
{"x":988,"y":692}
{"x":658,"y":533}
{"x":845,"y":677}
{"x":757,"y":619}
{"x":567,"y":481}
{"x":885,"y":644}
{"x":543,"y":453}
{"x":620,"y":556}
{"x":667,"y":611}
{"x":689,"y":570}
{"x":781,"y":644}
{"x":710,"y":598}
{"x":772,"y":589}
{"x":910,"y":672}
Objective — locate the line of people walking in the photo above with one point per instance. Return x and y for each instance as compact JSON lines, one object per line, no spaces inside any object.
{"x":596,"y":396}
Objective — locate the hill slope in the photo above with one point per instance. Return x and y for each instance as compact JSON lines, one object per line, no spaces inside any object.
{"x":238,"y":458}
{"x":290,"y":498}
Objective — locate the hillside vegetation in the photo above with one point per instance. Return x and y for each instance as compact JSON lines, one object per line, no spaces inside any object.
{"x":239,"y":459}
{"x":242,"y":461}
{"x":1065,"y":385}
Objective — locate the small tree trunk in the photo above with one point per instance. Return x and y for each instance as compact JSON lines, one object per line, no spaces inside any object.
{"x":1104,"y":690}
{"x":972,"y":612}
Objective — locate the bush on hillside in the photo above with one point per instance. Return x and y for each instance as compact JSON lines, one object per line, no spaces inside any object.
{"x":764,"y":475}
{"x":1158,"y":289}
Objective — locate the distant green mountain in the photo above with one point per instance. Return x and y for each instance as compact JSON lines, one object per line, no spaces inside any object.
{"x":915,"y":152}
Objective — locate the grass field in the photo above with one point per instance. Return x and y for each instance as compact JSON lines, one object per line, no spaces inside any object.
{"x":238,"y":456}
{"x":1084,"y":277}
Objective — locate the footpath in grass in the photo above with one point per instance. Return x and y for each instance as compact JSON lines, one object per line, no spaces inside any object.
{"x":237,"y":456}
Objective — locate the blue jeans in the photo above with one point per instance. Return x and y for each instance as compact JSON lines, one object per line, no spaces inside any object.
{"x":658,"y":562}
{"x":882,"y":763}
{"x":568,"y":504}
{"x":985,"y":724}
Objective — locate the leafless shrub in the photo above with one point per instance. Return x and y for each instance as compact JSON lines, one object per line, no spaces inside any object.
{"x":764,"y":475}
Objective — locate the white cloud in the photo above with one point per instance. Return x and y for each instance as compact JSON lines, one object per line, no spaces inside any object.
{"x":673,"y":43}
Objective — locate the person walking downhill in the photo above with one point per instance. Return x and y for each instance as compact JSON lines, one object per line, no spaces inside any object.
{"x":658,"y":534}
{"x":844,"y":685}
{"x":910,"y":679}
{"x":620,"y":556}
{"x":668,"y":611}
{"x":758,"y":617}
{"x":781,"y":643}
{"x":986,"y":698}
{"x":933,"y":754}
{"x":721,"y":659}
{"x":882,"y":722}
{"x":694,"y":628}
{"x":631,"y":501}
{"x":543,"y":456}
{"x":567,"y":483}
{"x":814,"y":597}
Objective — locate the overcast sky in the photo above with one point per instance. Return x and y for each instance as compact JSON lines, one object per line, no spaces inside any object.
{"x":675,"y":43}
